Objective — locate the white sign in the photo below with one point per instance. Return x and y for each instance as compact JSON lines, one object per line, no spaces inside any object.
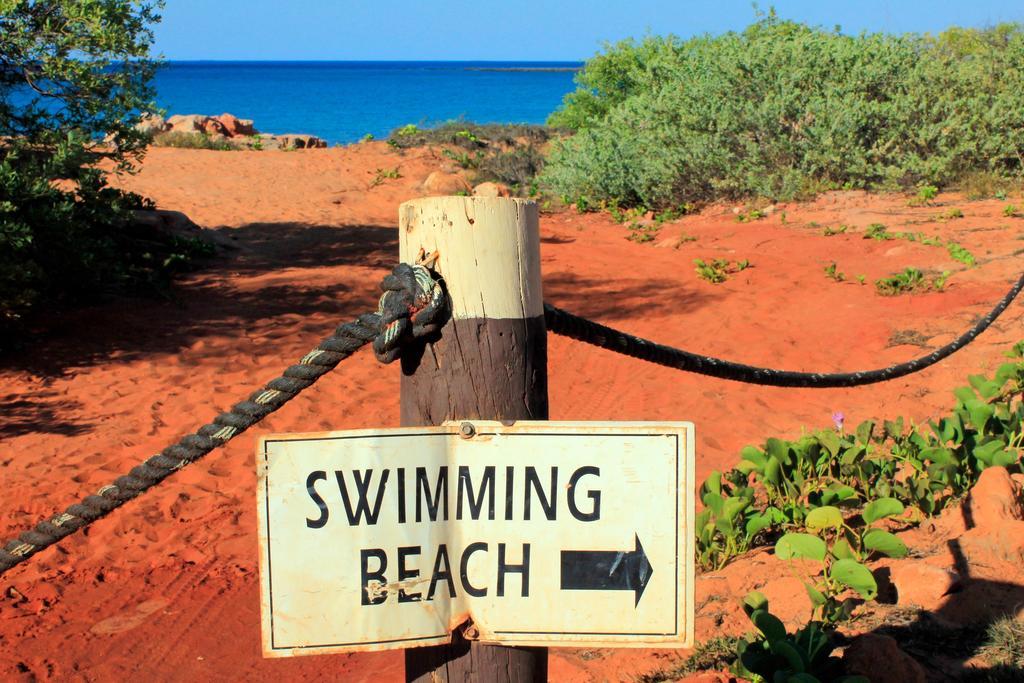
{"x":542,"y":533}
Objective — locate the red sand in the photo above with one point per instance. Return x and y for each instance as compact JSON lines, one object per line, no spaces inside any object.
{"x":166,"y":587}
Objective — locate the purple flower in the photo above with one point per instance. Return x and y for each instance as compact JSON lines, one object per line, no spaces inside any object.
{"x":837,"y":418}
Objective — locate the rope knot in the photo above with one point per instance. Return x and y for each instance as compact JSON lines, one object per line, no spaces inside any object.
{"x":412,"y":307}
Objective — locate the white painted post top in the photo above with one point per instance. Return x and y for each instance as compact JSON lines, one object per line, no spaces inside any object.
{"x":489,"y":252}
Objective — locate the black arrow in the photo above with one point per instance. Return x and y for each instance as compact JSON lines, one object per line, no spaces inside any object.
{"x":606,"y":570}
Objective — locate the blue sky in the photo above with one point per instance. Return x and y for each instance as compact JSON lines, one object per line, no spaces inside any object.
{"x":517,"y":30}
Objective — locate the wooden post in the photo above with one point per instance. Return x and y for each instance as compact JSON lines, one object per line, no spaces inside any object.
{"x":490,"y":363}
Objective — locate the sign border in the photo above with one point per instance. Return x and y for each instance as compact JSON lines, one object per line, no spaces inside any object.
{"x":684,"y":544}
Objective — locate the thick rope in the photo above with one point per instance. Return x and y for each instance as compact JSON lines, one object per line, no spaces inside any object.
{"x":412,"y":306}
{"x":581,"y":329}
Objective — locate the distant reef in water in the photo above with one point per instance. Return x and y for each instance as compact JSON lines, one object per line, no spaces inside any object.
{"x":219,"y":132}
{"x":524,"y":68}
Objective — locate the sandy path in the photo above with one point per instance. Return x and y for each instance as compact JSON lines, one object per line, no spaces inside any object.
{"x":166,"y":588}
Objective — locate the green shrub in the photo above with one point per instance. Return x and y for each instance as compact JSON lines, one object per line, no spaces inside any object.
{"x":782,"y":110}
{"x":74,"y":77}
{"x":194,"y":140}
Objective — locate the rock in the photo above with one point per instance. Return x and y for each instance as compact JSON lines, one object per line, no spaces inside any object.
{"x":214,"y":127}
{"x":986,"y":546}
{"x":438,"y":183}
{"x":921,"y":584}
{"x":994,"y":500}
{"x":187,"y":123}
{"x":151,"y":124}
{"x":880,"y":659}
{"x":299,"y":141}
{"x":491,"y":190}
{"x":236,"y":126}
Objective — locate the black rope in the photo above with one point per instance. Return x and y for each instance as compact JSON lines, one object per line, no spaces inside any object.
{"x":412,"y":306}
{"x":569,"y":325}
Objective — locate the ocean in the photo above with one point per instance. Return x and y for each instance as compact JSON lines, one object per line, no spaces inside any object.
{"x":343,"y":101}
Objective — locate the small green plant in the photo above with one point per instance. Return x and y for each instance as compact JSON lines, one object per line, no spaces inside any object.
{"x":776,"y":655}
{"x":467,"y":135}
{"x":925,"y":195}
{"x":959,"y":253}
{"x":407,"y":130}
{"x":383,"y":174}
{"x":1000,"y":195}
{"x":861,"y":278}
{"x":829,"y":231}
{"x":718,"y":270}
{"x":642,"y":233}
{"x":833,"y":274}
{"x":1010,"y":211}
{"x":878,"y":231}
{"x":751,"y":215}
{"x":841,"y":545}
{"x":256,"y":142}
{"x":367,"y":138}
{"x":950,"y":214}
{"x":910,"y":280}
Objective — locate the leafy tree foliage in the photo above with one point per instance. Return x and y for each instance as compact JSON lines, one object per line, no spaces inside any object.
{"x":74,"y":77}
{"x":783,"y":110}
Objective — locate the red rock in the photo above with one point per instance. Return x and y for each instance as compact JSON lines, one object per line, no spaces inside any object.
{"x":492,"y":190}
{"x":921,"y":584}
{"x":995,"y":499}
{"x":987,"y":546}
{"x":881,"y":660}
{"x":236,"y":126}
{"x":187,"y":123}
{"x":438,"y":183}
{"x":214,"y":127}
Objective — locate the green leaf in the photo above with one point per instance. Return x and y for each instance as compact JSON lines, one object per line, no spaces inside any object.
{"x":768,"y":624}
{"x":856,"y":576}
{"x":881,"y":541}
{"x":985,"y":387}
{"x":881,"y":508}
{"x":938,"y":454}
{"x":965,"y":394}
{"x":756,"y":523}
{"x":865,"y":430}
{"x":755,"y":600}
{"x":714,"y":502}
{"x":1006,"y":371}
{"x":826,"y":517}
{"x":980,"y":413}
{"x":773,"y":471}
{"x":800,"y":546}
{"x":713,"y":484}
{"x":851,"y":454}
{"x":793,"y":658}
{"x":753,"y":455}
{"x":842,"y":550}
{"x":989,"y":452}
{"x":816,"y":596}
{"x":778,"y":449}
{"x":830,"y":440}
